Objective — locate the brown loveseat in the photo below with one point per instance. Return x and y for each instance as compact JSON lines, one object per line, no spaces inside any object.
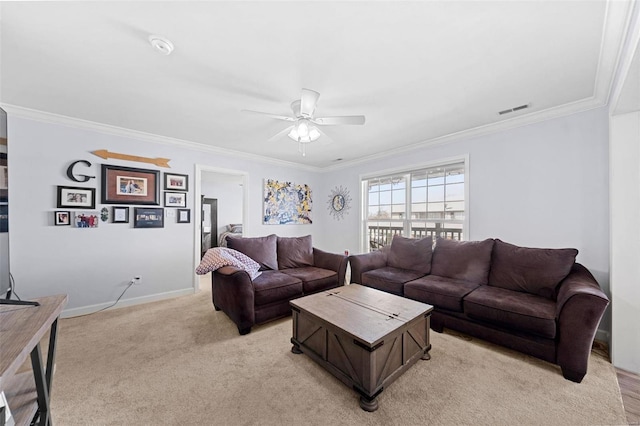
{"x":291,"y":268}
{"x":537,"y":301}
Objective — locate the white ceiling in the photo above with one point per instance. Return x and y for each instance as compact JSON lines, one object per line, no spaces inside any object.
{"x":418,"y":71}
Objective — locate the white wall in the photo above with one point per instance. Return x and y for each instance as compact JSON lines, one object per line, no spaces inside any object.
{"x":94,"y":266}
{"x":625,"y":240}
{"x":541,"y":185}
{"x":227,"y":189}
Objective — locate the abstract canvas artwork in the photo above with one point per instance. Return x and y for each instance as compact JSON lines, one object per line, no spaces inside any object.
{"x":286,"y":203}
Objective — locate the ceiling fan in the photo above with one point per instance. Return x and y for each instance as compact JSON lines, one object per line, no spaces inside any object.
{"x":304,"y":128}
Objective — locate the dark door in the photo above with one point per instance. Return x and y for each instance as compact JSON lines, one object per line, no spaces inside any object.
{"x":209,"y":223}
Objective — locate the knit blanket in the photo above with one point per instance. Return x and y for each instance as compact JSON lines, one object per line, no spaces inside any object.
{"x":217,"y":257}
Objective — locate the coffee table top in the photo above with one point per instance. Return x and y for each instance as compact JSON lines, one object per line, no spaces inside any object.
{"x":363,"y":312}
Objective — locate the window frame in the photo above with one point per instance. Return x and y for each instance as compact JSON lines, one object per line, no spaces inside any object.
{"x":407,"y":170}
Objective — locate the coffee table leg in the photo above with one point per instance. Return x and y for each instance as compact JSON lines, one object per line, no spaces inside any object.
{"x":296,"y":349}
{"x":426,"y":355}
{"x":368,"y":405}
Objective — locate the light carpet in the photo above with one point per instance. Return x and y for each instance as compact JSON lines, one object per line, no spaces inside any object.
{"x":178,"y":362}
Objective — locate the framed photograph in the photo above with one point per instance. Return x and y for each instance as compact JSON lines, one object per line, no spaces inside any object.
{"x":184,"y":216}
{"x":62,"y":218}
{"x":148,"y":217}
{"x":120,"y":214}
{"x":4,"y":178}
{"x":4,"y":218}
{"x":175,"y":199}
{"x":87,"y":219}
{"x":176,"y":182}
{"x":76,"y":197}
{"x":128,"y":185}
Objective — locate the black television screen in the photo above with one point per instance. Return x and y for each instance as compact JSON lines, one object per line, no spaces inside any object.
{"x":5,"y":278}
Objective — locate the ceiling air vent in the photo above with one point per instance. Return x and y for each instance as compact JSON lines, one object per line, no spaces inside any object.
{"x":514,"y":109}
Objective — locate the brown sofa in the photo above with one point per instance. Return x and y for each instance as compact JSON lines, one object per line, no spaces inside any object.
{"x":537,"y":301}
{"x":291,"y":268}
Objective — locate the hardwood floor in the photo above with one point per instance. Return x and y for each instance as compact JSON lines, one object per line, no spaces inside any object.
{"x":630,"y":390}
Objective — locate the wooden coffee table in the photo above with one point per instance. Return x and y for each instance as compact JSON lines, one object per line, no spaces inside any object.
{"x":365,"y":337}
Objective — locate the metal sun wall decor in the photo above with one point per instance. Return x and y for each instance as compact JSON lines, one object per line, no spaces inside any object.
{"x":286,"y":203}
{"x":339,"y":202}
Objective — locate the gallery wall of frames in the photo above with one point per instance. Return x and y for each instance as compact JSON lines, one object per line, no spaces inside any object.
{"x":126,"y":195}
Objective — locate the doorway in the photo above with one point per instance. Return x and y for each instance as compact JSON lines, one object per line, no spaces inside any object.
{"x":227,"y":190}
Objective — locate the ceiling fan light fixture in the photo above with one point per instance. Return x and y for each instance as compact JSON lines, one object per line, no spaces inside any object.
{"x":304,"y":132}
{"x":314,"y":133}
{"x":303,"y":129}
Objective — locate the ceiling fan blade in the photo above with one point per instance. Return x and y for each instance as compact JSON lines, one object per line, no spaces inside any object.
{"x":344,"y":119}
{"x":325,"y":139}
{"x":278,"y":117}
{"x":308,"y":102}
{"x":280,"y":134}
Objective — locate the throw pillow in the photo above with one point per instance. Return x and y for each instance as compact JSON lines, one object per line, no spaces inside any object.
{"x":295,"y":252}
{"x":411,"y":253}
{"x":260,"y":249}
{"x":530,"y":270}
{"x":462,"y":260}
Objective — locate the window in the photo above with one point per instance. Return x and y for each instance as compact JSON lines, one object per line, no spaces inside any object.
{"x":418,"y":203}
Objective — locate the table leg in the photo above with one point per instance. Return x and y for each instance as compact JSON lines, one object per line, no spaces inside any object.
{"x":369,"y":405}
{"x":44,"y":378}
{"x":426,"y":355}
{"x":51,"y":355}
{"x":41,"y":386}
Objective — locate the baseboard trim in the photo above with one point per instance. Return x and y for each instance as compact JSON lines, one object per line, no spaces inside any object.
{"x":85,"y":310}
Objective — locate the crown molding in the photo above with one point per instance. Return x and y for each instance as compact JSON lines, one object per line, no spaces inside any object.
{"x":47,"y":117}
{"x":511,"y":123}
{"x":618,"y":18}
{"x":515,"y":122}
{"x":629,"y":49}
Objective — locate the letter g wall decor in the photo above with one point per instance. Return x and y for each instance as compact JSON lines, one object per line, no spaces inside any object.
{"x":79,"y":178}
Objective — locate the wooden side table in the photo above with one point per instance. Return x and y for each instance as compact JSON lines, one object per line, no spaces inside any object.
{"x":22,"y":327}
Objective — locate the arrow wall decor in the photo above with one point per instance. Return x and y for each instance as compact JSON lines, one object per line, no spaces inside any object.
{"x":160,"y":162}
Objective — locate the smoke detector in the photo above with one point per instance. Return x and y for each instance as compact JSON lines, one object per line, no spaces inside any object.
{"x":161,"y":44}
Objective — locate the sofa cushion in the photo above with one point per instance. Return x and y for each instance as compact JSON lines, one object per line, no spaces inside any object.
{"x":530,"y":270}
{"x":274,"y":286}
{"x":295,"y":252}
{"x":513,"y":309}
{"x":462,"y":260}
{"x":389,"y":279}
{"x":441,"y":292}
{"x":412,"y":254}
{"x":261,"y":249}
{"x":314,"y":279}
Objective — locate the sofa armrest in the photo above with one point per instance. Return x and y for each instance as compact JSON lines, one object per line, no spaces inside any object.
{"x":361,"y":263}
{"x":580,"y":307}
{"x":331,"y":261}
{"x":232,"y":291}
